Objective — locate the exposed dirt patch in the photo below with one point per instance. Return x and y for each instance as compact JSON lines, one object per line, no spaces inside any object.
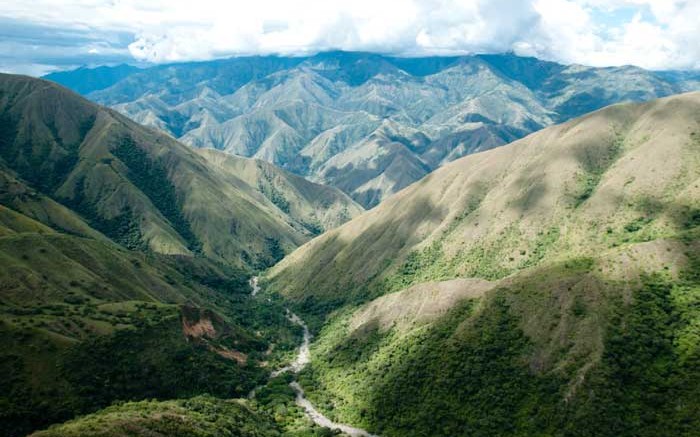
{"x":201,"y":323}
{"x":198,"y":329}
{"x":237,"y":356}
{"x":209,"y":328}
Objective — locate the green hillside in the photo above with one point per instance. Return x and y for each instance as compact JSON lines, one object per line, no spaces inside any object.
{"x":85,"y":322}
{"x":545,"y":288}
{"x":144,"y":190}
{"x":559,"y":350}
{"x":201,"y":416}
{"x":125,"y":261}
{"x":623,"y":175}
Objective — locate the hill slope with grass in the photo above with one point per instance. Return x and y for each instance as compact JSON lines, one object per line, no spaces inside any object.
{"x":86,"y":322}
{"x":549,"y":287}
{"x":201,"y":416}
{"x":125,"y":260}
{"x":625,"y":174}
{"x":144,"y":190}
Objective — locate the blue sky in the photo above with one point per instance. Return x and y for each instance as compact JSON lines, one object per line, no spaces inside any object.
{"x":46,"y":35}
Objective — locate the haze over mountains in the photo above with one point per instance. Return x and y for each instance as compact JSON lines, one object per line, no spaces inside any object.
{"x":364,"y":123}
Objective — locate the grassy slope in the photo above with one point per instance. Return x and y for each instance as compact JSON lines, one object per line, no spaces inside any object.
{"x":565,"y":349}
{"x":317,"y":207}
{"x":77,"y":309}
{"x":588,"y":325}
{"x":16,"y":194}
{"x":85,"y":322}
{"x":628,"y":173}
{"x":201,"y":416}
{"x":140,"y":187}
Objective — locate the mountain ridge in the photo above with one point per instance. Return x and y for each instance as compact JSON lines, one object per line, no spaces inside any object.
{"x":421,"y":215}
{"x":87,"y":153}
{"x":280,"y":109}
{"x":547,"y":287}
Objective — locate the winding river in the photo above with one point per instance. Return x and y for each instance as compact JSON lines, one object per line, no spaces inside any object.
{"x":300,"y":361}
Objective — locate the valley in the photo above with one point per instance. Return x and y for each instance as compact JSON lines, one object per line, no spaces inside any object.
{"x":116,"y":283}
{"x":487,"y":245}
{"x":509,"y":289}
{"x":301,"y":360}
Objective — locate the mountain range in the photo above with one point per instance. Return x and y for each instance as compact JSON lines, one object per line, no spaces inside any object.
{"x":546,"y":287}
{"x":143,"y":189}
{"x":364,"y":123}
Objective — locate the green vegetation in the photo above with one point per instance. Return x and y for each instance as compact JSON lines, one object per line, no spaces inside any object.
{"x":151,"y":178}
{"x":476,"y":371}
{"x":314,"y":227}
{"x":691,"y":218}
{"x":86,"y":323}
{"x":156,"y":362}
{"x":122,"y":228}
{"x":129,"y":351}
{"x":648,"y":381}
{"x":272,"y":193}
{"x":542,"y":244}
{"x":272,"y":414}
{"x":276,"y":399}
{"x":153,"y":361}
{"x":420,"y":266}
{"x":442,"y":380}
{"x":143,"y":189}
{"x":202,"y":416}
{"x":44,"y":160}
{"x":275,"y":250}
{"x":481,"y":261}
{"x":595,"y":161}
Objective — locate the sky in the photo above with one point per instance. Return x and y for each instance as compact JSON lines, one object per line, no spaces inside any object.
{"x":40,"y":36}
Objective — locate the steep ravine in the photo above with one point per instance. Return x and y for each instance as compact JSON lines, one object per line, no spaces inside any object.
{"x":300,"y":361}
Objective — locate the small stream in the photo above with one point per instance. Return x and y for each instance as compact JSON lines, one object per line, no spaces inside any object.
{"x":300,"y":361}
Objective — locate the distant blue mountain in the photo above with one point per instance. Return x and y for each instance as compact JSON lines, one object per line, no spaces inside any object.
{"x":366,"y":123}
{"x":85,"y":80}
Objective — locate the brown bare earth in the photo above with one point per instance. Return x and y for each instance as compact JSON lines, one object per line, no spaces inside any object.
{"x":199,"y":325}
{"x":198,"y":329}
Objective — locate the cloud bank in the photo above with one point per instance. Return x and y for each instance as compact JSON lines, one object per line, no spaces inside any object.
{"x":655,"y":34}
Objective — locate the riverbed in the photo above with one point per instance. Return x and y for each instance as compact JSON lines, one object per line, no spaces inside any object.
{"x":301,"y":360}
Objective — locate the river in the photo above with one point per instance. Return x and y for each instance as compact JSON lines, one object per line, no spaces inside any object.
{"x":300,"y":361}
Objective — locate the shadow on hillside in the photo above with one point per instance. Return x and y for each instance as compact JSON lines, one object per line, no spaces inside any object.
{"x":359,"y":252}
{"x":468,"y":374}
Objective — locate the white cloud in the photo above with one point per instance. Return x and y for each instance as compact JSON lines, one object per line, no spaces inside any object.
{"x":658,"y":34}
